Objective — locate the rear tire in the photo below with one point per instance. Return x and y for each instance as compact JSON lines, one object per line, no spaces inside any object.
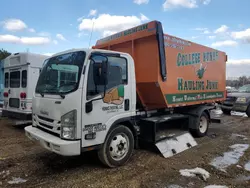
{"x":248,"y":111}
{"x":227,"y":112}
{"x":202,"y":125}
{"x":117,"y":148}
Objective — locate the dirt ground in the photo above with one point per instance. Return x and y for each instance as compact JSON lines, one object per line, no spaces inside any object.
{"x":20,"y":157}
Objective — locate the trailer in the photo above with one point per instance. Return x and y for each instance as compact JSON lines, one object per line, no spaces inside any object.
{"x":136,"y":86}
{"x":21,"y":72}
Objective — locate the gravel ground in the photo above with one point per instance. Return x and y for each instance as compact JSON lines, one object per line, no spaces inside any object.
{"x":35,"y":167}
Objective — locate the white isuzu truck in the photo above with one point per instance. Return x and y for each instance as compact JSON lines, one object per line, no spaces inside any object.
{"x":128,"y":88}
{"x":21,"y":72}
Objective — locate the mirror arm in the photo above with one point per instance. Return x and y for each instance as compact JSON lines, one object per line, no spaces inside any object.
{"x":104,"y":93}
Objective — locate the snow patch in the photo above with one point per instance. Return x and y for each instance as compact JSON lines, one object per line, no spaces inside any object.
{"x":229,"y":158}
{"x":174,"y":186}
{"x":243,"y":178}
{"x":195,"y":172}
{"x":4,"y":173}
{"x":238,"y":114}
{"x":247,"y":166}
{"x":238,"y":166}
{"x":16,"y":180}
{"x":239,"y":136}
{"x":216,"y":186}
{"x":217,"y":111}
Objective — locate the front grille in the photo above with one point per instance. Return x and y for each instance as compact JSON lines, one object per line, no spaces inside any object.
{"x":46,"y":119}
{"x":14,"y":102}
{"x":48,"y":124}
{"x":48,"y":131}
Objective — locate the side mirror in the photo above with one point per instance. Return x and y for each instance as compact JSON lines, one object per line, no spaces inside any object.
{"x":89,"y":107}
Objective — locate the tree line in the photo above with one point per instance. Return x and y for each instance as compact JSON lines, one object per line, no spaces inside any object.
{"x":243,"y":80}
{"x":3,"y":54}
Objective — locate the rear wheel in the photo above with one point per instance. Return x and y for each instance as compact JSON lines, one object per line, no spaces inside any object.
{"x":202,"y":125}
{"x":118,"y":147}
{"x":227,"y":112}
{"x":248,"y":111}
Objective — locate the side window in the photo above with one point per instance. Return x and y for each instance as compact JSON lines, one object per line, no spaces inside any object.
{"x":117,"y":76}
{"x":24,"y":78}
{"x":6,"y":80}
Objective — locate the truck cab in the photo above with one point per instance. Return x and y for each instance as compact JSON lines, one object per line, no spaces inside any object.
{"x":79,"y":96}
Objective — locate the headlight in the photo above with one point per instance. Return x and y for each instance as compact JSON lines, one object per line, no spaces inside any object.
{"x":241,"y":99}
{"x":68,"y":125}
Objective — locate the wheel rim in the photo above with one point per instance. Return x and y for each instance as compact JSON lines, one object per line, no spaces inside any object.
{"x":119,"y":146}
{"x":203,"y":124}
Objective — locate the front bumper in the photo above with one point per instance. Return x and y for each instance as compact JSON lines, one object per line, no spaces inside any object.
{"x":240,"y":107}
{"x":53,"y":143}
{"x":226,"y":107}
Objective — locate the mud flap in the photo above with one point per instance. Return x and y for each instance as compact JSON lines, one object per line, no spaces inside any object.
{"x":176,"y":144}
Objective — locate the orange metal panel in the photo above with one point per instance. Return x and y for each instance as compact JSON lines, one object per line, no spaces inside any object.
{"x":196,"y":74}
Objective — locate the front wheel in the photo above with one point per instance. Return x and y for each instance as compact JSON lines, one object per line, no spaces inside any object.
{"x":118,"y":147}
{"x":201,"y":126}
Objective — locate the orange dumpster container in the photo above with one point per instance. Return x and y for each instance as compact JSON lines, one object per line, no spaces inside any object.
{"x":170,"y":71}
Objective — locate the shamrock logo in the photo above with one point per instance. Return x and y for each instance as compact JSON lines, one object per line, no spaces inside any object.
{"x":200,"y":72}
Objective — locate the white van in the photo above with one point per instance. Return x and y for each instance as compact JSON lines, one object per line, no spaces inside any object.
{"x":21,"y":72}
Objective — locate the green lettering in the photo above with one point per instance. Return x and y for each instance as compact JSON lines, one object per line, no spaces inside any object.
{"x":189,"y":59}
{"x":185,"y":85}
{"x":190,"y":85}
{"x":183,"y":60}
{"x":193,"y":58}
{"x":180,"y":84}
{"x":199,"y":58}
{"x":179,"y":59}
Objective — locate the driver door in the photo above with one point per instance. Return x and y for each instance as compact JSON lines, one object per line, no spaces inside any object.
{"x":106,"y":109}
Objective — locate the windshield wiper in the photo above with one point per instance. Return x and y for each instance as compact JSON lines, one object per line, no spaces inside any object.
{"x":61,"y":95}
{"x":41,"y":94}
{"x":58,"y":93}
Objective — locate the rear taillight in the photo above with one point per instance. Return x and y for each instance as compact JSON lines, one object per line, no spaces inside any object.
{"x":5,"y":94}
{"x":22,"y":95}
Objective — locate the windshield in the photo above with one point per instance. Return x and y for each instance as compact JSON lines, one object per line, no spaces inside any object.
{"x":244,"y":89}
{"x":61,"y":74}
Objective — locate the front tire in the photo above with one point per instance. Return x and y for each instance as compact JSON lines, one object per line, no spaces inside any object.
{"x":202,"y":125}
{"x":118,"y":147}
